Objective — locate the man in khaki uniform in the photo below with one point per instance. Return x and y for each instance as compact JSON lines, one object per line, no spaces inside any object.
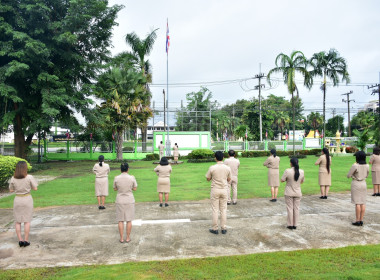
{"x":219,"y":175}
{"x":234,"y":164}
{"x":161,"y":147}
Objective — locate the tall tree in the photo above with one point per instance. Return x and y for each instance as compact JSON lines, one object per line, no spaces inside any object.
{"x":288,"y":66}
{"x":140,"y":50}
{"x":314,"y":120}
{"x":51,"y":51}
{"x":333,"y":125}
{"x":330,"y":66}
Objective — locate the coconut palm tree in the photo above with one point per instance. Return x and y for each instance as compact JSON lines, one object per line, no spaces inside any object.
{"x":140,"y":50}
{"x":289,"y":66}
{"x":282,"y":119}
{"x":330,"y":66}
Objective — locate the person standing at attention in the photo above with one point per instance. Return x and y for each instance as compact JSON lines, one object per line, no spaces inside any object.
{"x":294,"y":177}
{"x":359,"y":172}
{"x":219,"y":175}
{"x":175,"y":152}
{"x":375,"y":161}
{"x":234,"y":164}
{"x":324,"y":178}
{"x":21,"y":183}
{"x":161,"y":148}
{"x":101,"y":171}
{"x":124,"y":184}
{"x":273,"y":165}
{"x":163,"y":183}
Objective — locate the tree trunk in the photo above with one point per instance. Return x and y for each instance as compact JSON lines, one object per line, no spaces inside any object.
{"x":144,"y":136}
{"x":324,"y":112}
{"x":119,"y":144}
{"x":294,"y":124}
{"x":20,"y":148}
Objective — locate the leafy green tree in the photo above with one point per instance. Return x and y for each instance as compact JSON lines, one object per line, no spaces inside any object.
{"x":333,"y":125}
{"x":363,"y":120}
{"x":51,"y":52}
{"x":281,"y":121}
{"x":314,"y":120}
{"x":330,"y":66}
{"x":288,"y":66}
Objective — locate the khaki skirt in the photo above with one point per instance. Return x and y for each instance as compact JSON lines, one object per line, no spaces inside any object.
{"x":376,"y":177}
{"x":324,"y":179}
{"x":273,"y":177}
{"x":23,"y":209}
{"x":358,"y":192}
{"x":101,"y":186}
{"x":163,"y":185}
{"x":125,"y":212}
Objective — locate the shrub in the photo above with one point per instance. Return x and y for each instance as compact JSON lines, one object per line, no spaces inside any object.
{"x":152,"y":157}
{"x":201,"y":154}
{"x":128,"y":149}
{"x":200,"y":160}
{"x":297,"y":156}
{"x":249,"y":154}
{"x":7,"y":168}
{"x":352,"y":149}
{"x":61,"y":151}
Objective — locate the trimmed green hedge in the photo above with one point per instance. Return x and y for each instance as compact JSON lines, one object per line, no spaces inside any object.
{"x":200,"y":160}
{"x":7,"y":168}
{"x":152,"y":157}
{"x":249,"y":154}
{"x":201,"y":154}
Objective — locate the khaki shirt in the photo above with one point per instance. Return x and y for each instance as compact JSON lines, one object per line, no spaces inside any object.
{"x":101,"y":171}
{"x":163,"y":171}
{"x":219,"y":173}
{"x":358,"y":172}
{"x":322,"y":162}
{"x":234,"y":164}
{"x":375,"y":161}
{"x":293,"y":188}
{"x":124,"y":184}
{"x":161,"y":147}
{"x":272,"y":162}
{"x":24,"y":185}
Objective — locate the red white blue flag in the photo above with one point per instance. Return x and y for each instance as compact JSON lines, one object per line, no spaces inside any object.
{"x":167,"y":37}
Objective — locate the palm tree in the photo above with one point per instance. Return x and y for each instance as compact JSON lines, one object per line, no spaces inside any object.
{"x":289,"y":66}
{"x":282,"y":119}
{"x":314,"y":120}
{"x":328,"y":65}
{"x":141,"y":49}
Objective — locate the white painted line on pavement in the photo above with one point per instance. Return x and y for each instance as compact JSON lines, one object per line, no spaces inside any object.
{"x":152,"y":222}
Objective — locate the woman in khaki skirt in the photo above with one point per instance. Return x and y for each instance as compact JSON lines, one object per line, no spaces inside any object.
{"x":324,"y":177}
{"x":175,"y":152}
{"x":273,"y":165}
{"x":375,"y":161}
{"x":21,"y":184}
{"x":124,"y":184}
{"x":101,"y":171}
{"x":359,"y":172}
{"x":163,"y":183}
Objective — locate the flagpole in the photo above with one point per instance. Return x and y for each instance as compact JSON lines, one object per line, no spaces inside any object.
{"x":167,"y":89}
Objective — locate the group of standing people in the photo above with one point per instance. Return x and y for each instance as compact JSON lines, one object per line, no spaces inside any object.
{"x":161,"y":149}
{"x":223,"y":177}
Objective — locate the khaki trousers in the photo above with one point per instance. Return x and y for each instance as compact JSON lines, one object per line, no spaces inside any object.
{"x":232,"y":185}
{"x":219,"y":205}
{"x":293,"y":208}
{"x":161,"y":154}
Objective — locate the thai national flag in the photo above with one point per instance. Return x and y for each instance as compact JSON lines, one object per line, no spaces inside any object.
{"x":167,"y":37}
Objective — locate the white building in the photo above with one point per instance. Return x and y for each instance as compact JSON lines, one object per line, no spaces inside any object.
{"x":158,"y":126}
{"x":371,"y":106}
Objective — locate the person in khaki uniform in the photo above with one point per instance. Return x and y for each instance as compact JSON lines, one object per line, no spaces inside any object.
{"x":161,"y":148}
{"x":375,"y":161}
{"x":219,"y":175}
{"x":21,"y":183}
{"x":324,"y":178}
{"x":234,"y":164}
{"x":125,"y":184}
{"x":175,"y":152}
{"x":273,"y":165}
{"x":293,"y":177}
{"x":359,"y":172}
{"x":101,"y":171}
{"x":163,"y":183}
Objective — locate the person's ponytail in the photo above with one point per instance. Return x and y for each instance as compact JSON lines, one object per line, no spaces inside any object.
{"x":326,"y":152}
{"x":101,"y":159}
{"x":294,"y":162}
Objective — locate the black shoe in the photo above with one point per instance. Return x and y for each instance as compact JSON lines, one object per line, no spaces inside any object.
{"x":375,"y":194}
{"x":289,"y":227}
{"x":356,"y":224}
{"x":273,"y":200}
{"x":294,"y":227}
{"x":103,"y":207}
{"x":378,"y":194}
{"x":160,"y":204}
{"x":26,"y":243}
{"x":21,"y":243}
{"x":228,"y":203}
{"x":361,"y":223}
{"x":322,"y":197}
{"x":325,"y":197}
{"x":100,"y":207}
{"x":224,"y":231}
{"x":214,"y":231}
{"x":166,"y":205}
{"x":234,"y":203}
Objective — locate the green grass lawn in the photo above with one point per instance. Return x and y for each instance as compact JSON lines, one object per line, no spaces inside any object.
{"x":355,"y":262}
{"x":75,"y":182}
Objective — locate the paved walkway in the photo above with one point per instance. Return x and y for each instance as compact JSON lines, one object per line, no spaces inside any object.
{"x":78,"y":235}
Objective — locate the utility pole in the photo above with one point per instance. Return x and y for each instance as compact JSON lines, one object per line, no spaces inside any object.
{"x":259,"y":86}
{"x":373,"y":93}
{"x":348,"y":107}
{"x":153,"y":117}
{"x":196,"y":115}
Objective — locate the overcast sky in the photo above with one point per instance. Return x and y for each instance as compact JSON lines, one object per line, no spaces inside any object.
{"x":227,"y":40}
